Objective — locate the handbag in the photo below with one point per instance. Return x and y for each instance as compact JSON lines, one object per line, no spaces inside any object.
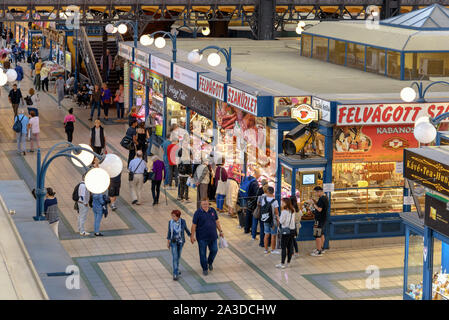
{"x":148,"y":175}
{"x":127,"y":143}
{"x":256,"y":212}
{"x":131,"y":173}
{"x":286,"y":230}
{"x":223,"y":243}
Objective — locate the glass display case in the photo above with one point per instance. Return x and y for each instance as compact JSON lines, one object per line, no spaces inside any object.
{"x":414,"y":274}
{"x":176,"y":113}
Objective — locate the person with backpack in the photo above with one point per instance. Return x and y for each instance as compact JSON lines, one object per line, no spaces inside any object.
{"x":202,"y":178}
{"x":31,"y":100}
{"x":33,"y":126}
{"x":288,"y":226}
{"x":248,"y":193}
{"x":69,"y":125}
{"x":82,"y":198}
{"x":19,"y":71}
{"x":320,"y":208}
{"x":221,"y":176}
{"x":51,"y":210}
{"x":21,"y":128}
{"x":99,"y":207}
{"x":269,"y":214}
{"x":15,"y":97}
{"x":176,"y":239}
{"x":256,"y":218}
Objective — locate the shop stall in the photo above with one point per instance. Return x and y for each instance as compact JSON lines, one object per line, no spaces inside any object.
{"x":126,"y":52}
{"x":426,"y":256}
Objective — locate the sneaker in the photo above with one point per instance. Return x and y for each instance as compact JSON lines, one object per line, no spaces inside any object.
{"x":134,"y":202}
{"x":239,"y":227}
{"x":253,"y":239}
{"x":90,"y":119}
{"x":98,"y":234}
{"x":211,"y":267}
{"x":179,"y":199}
{"x":323,"y":251}
{"x":85,"y":233}
{"x":314,"y":251}
{"x":175,"y":278}
{"x":205,"y":272}
{"x":113,"y":207}
{"x":266,"y":252}
{"x":316,"y":254}
{"x":280,"y":266}
{"x":276,"y":251}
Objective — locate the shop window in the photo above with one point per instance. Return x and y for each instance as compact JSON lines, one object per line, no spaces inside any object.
{"x":366,"y":188}
{"x":320,"y":48}
{"x":355,"y":56}
{"x":440,"y":279}
{"x":435,"y":64}
{"x":375,"y":60}
{"x":306,"y":45}
{"x":202,"y":134}
{"x":337,"y":51}
{"x":415,"y":266}
{"x":394,"y":64}
{"x":176,"y":114}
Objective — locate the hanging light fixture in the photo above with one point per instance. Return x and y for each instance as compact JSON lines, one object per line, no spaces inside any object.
{"x":146,"y":40}
{"x":97,"y":180}
{"x":122,"y":28}
{"x":112,"y":164}
{"x":194,"y":56}
{"x":109,"y":28}
{"x":205,"y":31}
{"x":408,"y":94}
{"x":160,"y":42}
{"x":214,"y":59}
{"x":85,"y":157}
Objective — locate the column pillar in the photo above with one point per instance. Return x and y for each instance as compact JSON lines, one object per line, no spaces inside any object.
{"x":265,"y":19}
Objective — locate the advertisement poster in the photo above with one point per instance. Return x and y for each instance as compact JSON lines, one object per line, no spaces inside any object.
{"x":68,"y":61}
{"x":436,"y":215}
{"x":138,"y":74}
{"x":372,"y":143}
{"x":283,"y":105}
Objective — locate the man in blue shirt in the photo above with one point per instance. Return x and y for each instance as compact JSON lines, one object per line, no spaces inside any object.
{"x":21,"y":136}
{"x":204,"y":226}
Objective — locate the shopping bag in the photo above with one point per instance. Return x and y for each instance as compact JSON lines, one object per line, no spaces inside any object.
{"x":190,"y":183}
{"x":159,"y":130}
{"x":223,"y":243}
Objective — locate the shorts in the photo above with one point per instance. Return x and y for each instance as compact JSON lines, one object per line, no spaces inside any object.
{"x":114,"y":191}
{"x":319,"y":229}
{"x":269,"y":229}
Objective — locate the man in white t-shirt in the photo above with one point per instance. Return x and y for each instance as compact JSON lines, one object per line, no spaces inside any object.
{"x":270,"y":220}
{"x":33,"y":126}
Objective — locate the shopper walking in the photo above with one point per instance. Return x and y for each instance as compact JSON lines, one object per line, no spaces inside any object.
{"x":221,"y":176}
{"x":142,"y":138}
{"x":97,"y":138}
{"x":15,"y":97}
{"x":269,"y":212}
{"x":150,"y":125}
{"x":232,"y":190}
{"x":132,"y":115}
{"x":19,"y":78}
{"x":131,"y":133}
{"x":37,"y":75}
{"x":173,"y":166}
{"x":106,"y":100}
{"x":45,"y":70}
{"x":204,"y":229}
{"x":95,"y":102}
{"x":201,"y":178}
{"x":298,"y":216}
{"x":106,"y":64}
{"x":136,"y":168}
{"x":159,"y":174}
{"x":250,"y":197}
{"x":320,"y":207}
{"x":176,"y":239}
{"x":33,"y":126}
{"x":59,"y":90}
{"x":184,"y":171}
{"x":99,"y":207}
{"x":287,"y":224}
{"x":32,"y":100}
{"x":69,"y":125}
{"x":166,"y":157}
{"x":257,"y":219}
{"x":83,"y":208}
{"x":120,"y":102}
{"x":114,"y":190}
{"x":21,"y":135}
{"x":51,"y":211}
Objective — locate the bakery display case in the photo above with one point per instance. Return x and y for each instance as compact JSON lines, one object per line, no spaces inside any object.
{"x":414,"y":274}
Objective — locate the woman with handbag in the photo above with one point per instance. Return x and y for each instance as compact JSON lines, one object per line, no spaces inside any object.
{"x":221,"y":176}
{"x":176,"y":239}
{"x":158,"y":175}
{"x":120,"y":102}
{"x":288,"y":226}
{"x":99,"y":207}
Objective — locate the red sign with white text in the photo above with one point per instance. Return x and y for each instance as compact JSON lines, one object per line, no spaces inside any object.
{"x":211,"y":87}
{"x":372,"y":114}
{"x":242,"y":100}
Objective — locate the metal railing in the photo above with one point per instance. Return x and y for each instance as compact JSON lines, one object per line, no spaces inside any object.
{"x":90,"y":63}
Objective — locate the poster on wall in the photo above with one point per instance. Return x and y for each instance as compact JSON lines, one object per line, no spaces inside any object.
{"x":436,"y":215}
{"x":68,"y":61}
{"x":126,"y":84}
{"x":372,"y":143}
{"x":156,"y":92}
{"x":138,"y":74}
{"x":283,"y":105}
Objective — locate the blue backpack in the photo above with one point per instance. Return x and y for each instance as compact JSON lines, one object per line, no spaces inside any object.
{"x":244,"y":186}
{"x":17,"y":127}
{"x":19,"y":71}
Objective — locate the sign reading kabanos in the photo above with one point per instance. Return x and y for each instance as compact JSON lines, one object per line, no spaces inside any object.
{"x":211,"y":87}
{"x":242,"y":100}
{"x":371,"y":114}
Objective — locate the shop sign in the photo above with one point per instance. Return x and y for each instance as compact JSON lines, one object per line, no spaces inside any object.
{"x":372,"y":143}
{"x":328,"y":187}
{"x":190,"y":98}
{"x":436,"y":214}
{"x":125,"y":51}
{"x":242,"y":100}
{"x":138,"y":74}
{"x":372,"y":114}
{"x":161,"y":66}
{"x":324,"y":107}
{"x":284,"y":105}
{"x":185,"y":76}
{"x":444,"y":141}
{"x":142,"y":58}
{"x":211,"y":87}
{"x":305,"y":114}
{"x":430,"y":173}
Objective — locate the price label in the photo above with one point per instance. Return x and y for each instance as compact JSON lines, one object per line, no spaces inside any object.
{"x":328,"y":187}
{"x":400,"y":167}
{"x":408,"y":201}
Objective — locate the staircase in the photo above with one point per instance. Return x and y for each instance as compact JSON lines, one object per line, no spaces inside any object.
{"x":114,"y":76}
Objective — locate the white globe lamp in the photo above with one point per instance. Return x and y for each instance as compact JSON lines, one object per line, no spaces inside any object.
{"x":109,"y":28}
{"x":115,"y":30}
{"x":85,"y":157}
{"x":122,"y":28}
{"x":205,"y":31}
{"x":301,"y":24}
{"x":3,"y":78}
{"x":298,"y":30}
{"x":97,"y":180}
{"x":421,"y":120}
{"x":112,"y":164}
{"x":214,"y":59}
{"x":146,"y":40}
{"x":11,"y":74}
{"x":425,"y":132}
{"x":194,"y":56}
{"x":408,"y":94}
{"x":159,"y":42}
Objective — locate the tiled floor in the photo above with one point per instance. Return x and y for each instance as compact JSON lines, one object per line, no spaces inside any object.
{"x":132,"y":261}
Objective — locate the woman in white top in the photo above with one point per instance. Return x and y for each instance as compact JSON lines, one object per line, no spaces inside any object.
{"x":33,"y":126}
{"x":288,"y":226}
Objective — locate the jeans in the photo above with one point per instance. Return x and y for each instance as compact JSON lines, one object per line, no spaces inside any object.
{"x":120,"y":110}
{"x":21,"y":141}
{"x":106,"y":109}
{"x":176,"y":250}
{"x":37,"y":82}
{"x":173,"y":174}
{"x":150,"y":144}
{"x":45,"y":84}
{"x":82,"y":217}
{"x":183,"y":189}
{"x":220,"y":201}
{"x":95,"y":105}
{"x":167,"y":168}
{"x":213,"y":249}
{"x":156,"y":190}
{"x":254,"y":230}
{"x":287,"y":247}
{"x":98,"y":216}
